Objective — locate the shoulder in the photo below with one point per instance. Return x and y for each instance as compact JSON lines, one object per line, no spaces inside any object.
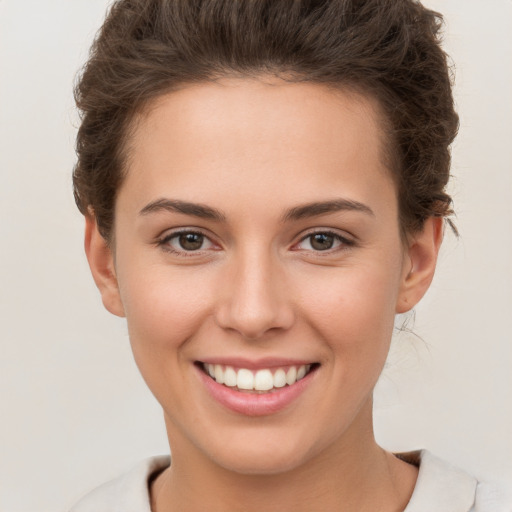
{"x":491,"y":497}
{"x":128,"y":492}
{"x":445,"y":488}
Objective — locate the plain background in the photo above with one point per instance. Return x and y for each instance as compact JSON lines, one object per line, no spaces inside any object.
{"x":74,"y":411}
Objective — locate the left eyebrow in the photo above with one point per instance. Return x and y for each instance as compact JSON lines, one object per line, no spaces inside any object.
{"x":323,"y":207}
{"x":194,"y":209}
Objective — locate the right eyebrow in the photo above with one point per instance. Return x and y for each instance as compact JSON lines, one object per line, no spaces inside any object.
{"x":185,"y":207}
{"x":324,"y":207}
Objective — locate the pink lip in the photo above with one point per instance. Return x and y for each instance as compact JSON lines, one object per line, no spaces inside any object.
{"x":252,"y":404}
{"x":256,"y":364}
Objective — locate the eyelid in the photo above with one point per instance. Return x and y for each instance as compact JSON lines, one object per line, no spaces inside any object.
{"x":163,"y":239}
{"x":345,"y":241}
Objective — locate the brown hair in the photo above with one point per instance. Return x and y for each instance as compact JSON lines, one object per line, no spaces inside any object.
{"x":386,"y":48}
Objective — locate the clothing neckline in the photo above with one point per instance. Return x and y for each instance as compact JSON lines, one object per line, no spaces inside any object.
{"x":445,"y":487}
{"x":439,"y":486}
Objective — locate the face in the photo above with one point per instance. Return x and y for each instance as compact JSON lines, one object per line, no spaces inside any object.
{"x":259,"y":263}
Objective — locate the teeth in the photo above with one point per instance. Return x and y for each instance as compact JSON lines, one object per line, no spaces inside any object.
{"x":261,"y":380}
{"x":219,"y":374}
{"x":279,"y":378}
{"x":230,"y":377}
{"x":244,"y":379}
{"x":291,"y":376}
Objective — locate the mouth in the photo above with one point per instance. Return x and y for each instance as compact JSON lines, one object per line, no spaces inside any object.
{"x":260,"y":381}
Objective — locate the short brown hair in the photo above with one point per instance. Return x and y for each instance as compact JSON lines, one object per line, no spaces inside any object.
{"x":386,"y":48}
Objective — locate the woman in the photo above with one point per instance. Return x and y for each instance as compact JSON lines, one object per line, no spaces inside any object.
{"x":264,"y":190}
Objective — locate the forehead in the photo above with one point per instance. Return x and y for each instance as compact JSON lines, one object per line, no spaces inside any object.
{"x":268,"y":138}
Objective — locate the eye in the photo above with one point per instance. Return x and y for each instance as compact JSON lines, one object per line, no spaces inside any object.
{"x":323,"y":241}
{"x":186,"y":241}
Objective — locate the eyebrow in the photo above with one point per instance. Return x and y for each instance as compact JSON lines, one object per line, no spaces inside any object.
{"x":173,"y":205}
{"x":296,"y":213}
{"x":323,"y":207}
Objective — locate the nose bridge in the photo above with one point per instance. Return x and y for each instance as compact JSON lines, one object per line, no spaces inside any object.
{"x":255,"y":299}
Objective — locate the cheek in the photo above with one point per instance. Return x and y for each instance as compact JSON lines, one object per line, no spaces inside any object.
{"x":163,"y":310}
{"x":353,"y":309}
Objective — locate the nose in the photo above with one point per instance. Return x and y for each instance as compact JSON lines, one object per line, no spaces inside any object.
{"x":254,"y":297}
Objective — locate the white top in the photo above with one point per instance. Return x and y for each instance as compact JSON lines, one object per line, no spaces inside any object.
{"x":440,"y":488}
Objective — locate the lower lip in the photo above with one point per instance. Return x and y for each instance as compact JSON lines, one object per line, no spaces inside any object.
{"x":255,"y":404}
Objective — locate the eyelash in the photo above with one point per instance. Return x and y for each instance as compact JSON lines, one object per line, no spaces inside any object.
{"x":164,"y":242}
{"x":344,"y":242}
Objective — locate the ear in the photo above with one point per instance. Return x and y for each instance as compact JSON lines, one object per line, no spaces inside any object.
{"x":101,"y":263}
{"x":420,"y":264}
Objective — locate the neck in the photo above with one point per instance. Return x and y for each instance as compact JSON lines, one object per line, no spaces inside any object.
{"x":352,"y":474}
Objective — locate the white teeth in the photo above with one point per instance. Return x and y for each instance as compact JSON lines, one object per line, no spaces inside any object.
{"x":230,"y":377}
{"x":279,"y":378}
{"x":291,"y":376}
{"x":301,"y":372}
{"x":261,"y":380}
{"x":219,"y":374}
{"x":244,"y":379}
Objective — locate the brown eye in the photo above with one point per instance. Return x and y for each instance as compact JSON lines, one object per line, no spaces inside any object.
{"x":321,"y":241}
{"x":184,"y":242}
{"x":324,"y":241}
{"x":191,"y":241}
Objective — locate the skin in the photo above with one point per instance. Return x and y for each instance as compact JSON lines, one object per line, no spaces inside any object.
{"x":255,"y":150}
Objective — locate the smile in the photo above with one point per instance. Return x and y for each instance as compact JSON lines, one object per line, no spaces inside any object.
{"x":259,"y":391}
{"x":263,"y":380}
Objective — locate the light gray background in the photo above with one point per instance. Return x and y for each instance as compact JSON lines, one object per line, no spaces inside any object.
{"x":73,"y":409}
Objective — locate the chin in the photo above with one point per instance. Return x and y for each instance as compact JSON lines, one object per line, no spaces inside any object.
{"x":258,"y":462}
{"x":262,"y":454}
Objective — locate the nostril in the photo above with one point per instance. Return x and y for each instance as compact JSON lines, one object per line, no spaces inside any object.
{"x":254,"y":304}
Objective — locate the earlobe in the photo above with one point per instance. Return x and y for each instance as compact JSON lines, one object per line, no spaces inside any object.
{"x":420,"y":264}
{"x":101,"y":263}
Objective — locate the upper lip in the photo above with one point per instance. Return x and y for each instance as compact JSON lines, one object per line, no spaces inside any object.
{"x":256,"y":364}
